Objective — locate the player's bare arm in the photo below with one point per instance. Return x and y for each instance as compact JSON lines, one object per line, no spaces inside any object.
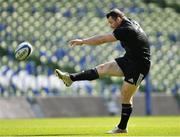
{"x":96,"y":40}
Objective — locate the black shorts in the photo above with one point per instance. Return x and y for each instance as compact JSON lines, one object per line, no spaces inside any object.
{"x":134,"y":71}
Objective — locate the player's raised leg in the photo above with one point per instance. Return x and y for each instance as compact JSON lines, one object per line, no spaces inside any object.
{"x":110,"y":68}
{"x":64,"y":77}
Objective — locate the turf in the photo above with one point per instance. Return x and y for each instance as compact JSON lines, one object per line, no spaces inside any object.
{"x":94,"y":126}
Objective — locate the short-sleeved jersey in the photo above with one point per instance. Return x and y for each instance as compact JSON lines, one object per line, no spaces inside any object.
{"x":133,"y":39}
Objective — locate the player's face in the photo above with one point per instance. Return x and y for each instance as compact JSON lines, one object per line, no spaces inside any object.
{"x":114,"y":23}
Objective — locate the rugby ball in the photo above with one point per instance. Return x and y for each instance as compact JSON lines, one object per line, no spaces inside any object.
{"x":23,"y":51}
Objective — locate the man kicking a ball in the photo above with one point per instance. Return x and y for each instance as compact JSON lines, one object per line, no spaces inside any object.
{"x":133,"y":66}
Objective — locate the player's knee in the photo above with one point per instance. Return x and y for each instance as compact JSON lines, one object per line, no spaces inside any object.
{"x":126,"y":100}
{"x":101,"y":69}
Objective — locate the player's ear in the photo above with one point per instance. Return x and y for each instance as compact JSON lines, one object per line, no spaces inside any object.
{"x":118,"y":19}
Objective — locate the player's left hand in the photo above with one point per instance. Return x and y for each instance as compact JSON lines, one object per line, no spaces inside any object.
{"x":76,"y":42}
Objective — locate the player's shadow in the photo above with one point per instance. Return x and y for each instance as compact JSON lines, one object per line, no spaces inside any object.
{"x":63,"y":135}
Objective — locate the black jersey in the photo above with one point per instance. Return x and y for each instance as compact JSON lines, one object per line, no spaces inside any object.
{"x":133,"y":39}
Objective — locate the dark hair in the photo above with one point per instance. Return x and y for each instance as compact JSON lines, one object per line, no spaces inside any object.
{"x":114,"y":13}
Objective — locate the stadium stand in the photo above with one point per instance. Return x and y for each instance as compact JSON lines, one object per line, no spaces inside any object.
{"x":49,"y":25}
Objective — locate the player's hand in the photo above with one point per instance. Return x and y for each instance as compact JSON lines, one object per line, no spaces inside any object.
{"x":76,"y":42}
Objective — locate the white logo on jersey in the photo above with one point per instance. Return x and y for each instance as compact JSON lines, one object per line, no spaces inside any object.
{"x":141,"y":76}
{"x":131,"y":80}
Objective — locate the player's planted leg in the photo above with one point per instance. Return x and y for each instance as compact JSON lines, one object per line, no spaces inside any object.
{"x":117,"y":130}
{"x":125,"y":114}
{"x":122,"y":126}
{"x":127,"y":92}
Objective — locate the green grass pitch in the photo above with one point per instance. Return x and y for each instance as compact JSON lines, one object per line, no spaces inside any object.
{"x":90,"y":126}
